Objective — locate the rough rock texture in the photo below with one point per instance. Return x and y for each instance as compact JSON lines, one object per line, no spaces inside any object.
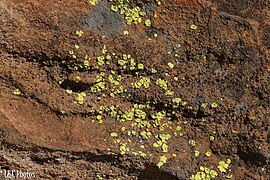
{"x":225,"y":60}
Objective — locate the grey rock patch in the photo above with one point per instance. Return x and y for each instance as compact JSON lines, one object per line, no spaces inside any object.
{"x":104,"y":21}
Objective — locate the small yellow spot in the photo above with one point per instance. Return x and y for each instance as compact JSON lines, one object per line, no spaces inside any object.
{"x":147,"y":22}
{"x":79,"y":33}
{"x":192,"y":142}
{"x":93,"y":2}
{"x":164,"y":147}
{"x":114,"y":8}
{"x":178,"y":128}
{"x":196,"y":153}
{"x":140,"y":66}
{"x":104,"y":49}
{"x":17,"y":92}
{"x":229,"y":176}
{"x":100,"y":121}
{"x":142,"y":154}
{"x":155,"y":35}
{"x":99,"y":117}
{"x":69,"y":91}
{"x":214,"y":105}
{"x":114,"y":134}
{"x":208,"y":153}
{"x":193,"y":26}
{"x":153,"y":70}
{"x":212,"y":138}
{"x":76,"y":46}
{"x":204,"y":105}
{"x":125,"y":32}
{"x":171,"y":65}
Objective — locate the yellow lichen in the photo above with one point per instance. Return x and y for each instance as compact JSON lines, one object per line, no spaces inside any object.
{"x":196,"y":153}
{"x":114,"y":134}
{"x":208,"y":153}
{"x":223,"y":166}
{"x":162,"y":161}
{"x":171,"y":65}
{"x":93,"y":2}
{"x":148,"y":22}
{"x":80,"y":97}
{"x":193,"y":26}
{"x":204,"y":174}
{"x":79,"y":33}
{"x":17,"y":92}
{"x":192,"y":142}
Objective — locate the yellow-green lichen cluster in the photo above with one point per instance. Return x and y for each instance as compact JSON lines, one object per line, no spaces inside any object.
{"x":204,"y":174}
{"x":223,"y":166}
{"x":144,"y":81}
{"x":123,"y":148}
{"x":80,"y":97}
{"x":133,"y":15}
{"x":162,"y":83}
{"x":162,"y":161}
{"x":162,"y":142}
{"x":145,"y":124}
{"x":149,"y":121}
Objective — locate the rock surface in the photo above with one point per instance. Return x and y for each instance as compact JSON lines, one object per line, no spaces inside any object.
{"x":221,"y":56}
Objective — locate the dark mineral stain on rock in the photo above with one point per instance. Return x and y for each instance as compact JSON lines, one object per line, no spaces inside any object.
{"x":103,"y":21}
